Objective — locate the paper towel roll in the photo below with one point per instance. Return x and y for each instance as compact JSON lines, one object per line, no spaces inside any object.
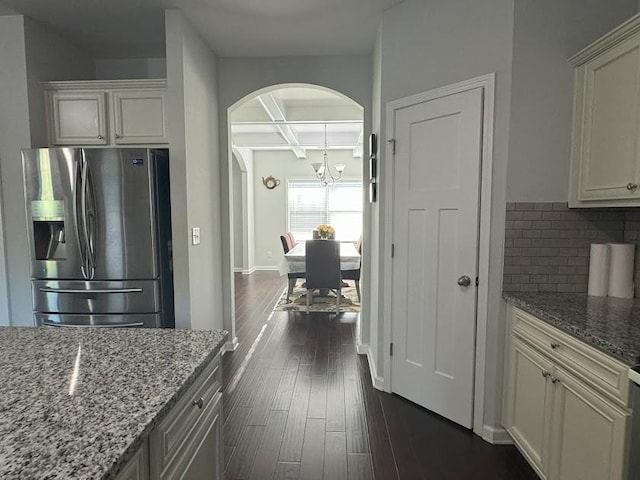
{"x":599,"y":270}
{"x":621,"y":256}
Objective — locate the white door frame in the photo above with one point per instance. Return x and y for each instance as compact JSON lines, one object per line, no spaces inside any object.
{"x":487,"y":84}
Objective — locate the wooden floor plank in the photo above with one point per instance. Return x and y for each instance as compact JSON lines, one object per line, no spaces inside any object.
{"x":287,"y":471}
{"x":356,"y":424}
{"x":287,"y":383}
{"x":241,"y":462}
{"x":335,"y":456}
{"x":262,"y":404}
{"x":235,"y":424}
{"x":291,"y":450}
{"x":312,"y":462}
{"x":318,"y":397}
{"x":264,"y":466}
{"x":335,"y":395}
{"x":360,"y":467}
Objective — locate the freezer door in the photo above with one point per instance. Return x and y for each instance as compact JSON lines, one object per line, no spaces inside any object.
{"x":51,"y":184}
{"x":120,"y":214}
{"x":96,"y":297}
{"x":97,"y":321}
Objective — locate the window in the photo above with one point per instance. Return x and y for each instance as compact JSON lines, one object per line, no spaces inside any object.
{"x":310,"y":204}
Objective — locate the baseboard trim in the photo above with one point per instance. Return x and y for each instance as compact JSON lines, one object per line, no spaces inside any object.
{"x":249,"y":272}
{"x":496,"y":436}
{"x":238,"y":270}
{"x":376,"y":380}
{"x":231,"y":345}
{"x":266,"y":268}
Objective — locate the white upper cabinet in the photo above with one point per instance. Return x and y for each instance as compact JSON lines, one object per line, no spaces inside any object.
{"x":119,"y":112}
{"x":139,"y":116}
{"x":77,"y":118}
{"x":605,"y":145}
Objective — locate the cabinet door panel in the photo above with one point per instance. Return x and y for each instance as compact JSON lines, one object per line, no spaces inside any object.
{"x":207,"y":461}
{"x":139,"y":117}
{"x":528,"y":403}
{"x":588,"y":433}
{"x":611,"y":124}
{"x":78,"y":118}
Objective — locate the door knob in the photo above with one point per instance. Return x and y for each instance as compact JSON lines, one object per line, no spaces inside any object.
{"x":632,"y":186}
{"x":464,"y":281}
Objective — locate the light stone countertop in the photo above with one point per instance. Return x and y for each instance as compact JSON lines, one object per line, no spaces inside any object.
{"x":78,"y":403}
{"x":611,"y":325}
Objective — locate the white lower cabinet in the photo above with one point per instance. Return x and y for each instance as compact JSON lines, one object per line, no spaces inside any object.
{"x":187,"y":443}
{"x":566,"y":427}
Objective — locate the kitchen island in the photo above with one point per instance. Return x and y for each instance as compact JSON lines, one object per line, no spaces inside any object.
{"x":84,"y":403}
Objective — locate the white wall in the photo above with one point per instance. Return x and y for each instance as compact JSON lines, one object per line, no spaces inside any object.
{"x":130,"y":68}
{"x":426,"y":45}
{"x":271,"y":205}
{"x":29,"y":54}
{"x":239,"y":77}
{"x":547,"y":33}
{"x":195,"y":184}
{"x":238,"y":221}
{"x":248,"y":213}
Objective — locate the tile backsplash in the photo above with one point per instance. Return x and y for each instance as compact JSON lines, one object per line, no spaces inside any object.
{"x":547,"y":244}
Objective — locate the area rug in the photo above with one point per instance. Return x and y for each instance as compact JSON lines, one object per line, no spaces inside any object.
{"x":298,"y":301}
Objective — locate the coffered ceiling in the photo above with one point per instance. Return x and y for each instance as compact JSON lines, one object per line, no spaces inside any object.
{"x":130,"y":29}
{"x":295,"y":119}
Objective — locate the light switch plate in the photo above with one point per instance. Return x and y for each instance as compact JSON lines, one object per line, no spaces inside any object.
{"x":195,"y":236}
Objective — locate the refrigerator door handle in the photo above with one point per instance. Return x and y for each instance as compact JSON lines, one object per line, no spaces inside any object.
{"x":99,"y":290}
{"x":77,"y":213}
{"x":91,"y":220}
{"x":59,"y":325}
{"x":88,"y":270}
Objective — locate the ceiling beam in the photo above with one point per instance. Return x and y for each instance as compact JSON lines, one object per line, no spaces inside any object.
{"x":302,"y":122}
{"x":357,"y":150}
{"x":276,"y":113}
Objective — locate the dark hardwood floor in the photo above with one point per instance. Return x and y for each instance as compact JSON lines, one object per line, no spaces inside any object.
{"x":299,"y":404}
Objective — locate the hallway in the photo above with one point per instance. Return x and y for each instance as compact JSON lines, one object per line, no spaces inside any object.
{"x":299,"y":403}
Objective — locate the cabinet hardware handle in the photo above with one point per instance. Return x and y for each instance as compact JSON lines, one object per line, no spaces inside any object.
{"x":632,"y":186}
{"x":555,"y":345}
{"x":199,"y":403}
{"x":117,"y":135}
{"x":100,"y":137}
{"x":554,"y":379}
{"x":545,"y":374}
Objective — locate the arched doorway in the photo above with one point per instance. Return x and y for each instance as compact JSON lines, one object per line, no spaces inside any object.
{"x":283,"y":126}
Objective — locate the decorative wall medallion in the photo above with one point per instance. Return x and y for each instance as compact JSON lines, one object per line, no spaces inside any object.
{"x":270,"y":182}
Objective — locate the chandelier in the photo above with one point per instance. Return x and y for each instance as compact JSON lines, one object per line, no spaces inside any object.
{"x":323,"y":170}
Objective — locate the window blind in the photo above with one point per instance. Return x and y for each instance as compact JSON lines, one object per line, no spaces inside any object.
{"x":310,"y":204}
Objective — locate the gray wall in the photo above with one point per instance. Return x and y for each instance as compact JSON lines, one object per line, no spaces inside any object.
{"x":270,"y":218}
{"x":426,"y":45}
{"x":195,"y":184}
{"x":29,"y":54}
{"x":130,"y":68}
{"x":547,"y":33}
{"x":240,"y":77}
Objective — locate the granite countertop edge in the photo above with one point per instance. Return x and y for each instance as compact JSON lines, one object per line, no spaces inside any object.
{"x":630,"y":357}
{"x":133,"y":447}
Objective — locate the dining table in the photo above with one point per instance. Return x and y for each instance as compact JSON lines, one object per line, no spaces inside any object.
{"x":294,"y":260}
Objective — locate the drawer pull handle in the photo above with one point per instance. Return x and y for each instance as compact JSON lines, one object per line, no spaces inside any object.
{"x":555,"y":345}
{"x":554,"y":379}
{"x":631,"y":186}
{"x":199,"y":403}
{"x":545,"y":374}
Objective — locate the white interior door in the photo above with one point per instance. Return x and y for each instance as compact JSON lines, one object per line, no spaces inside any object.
{"x":437,"y":168}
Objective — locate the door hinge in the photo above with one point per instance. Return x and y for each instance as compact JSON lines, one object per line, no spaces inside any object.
{"x":477,"y":281}
{"x":391,"y":349}
{"x":392,"y":141}
{"x":393,"y":250}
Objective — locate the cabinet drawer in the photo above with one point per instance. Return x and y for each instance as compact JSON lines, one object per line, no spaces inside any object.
{"x":172,"y":434}
{"x":602,"y":372}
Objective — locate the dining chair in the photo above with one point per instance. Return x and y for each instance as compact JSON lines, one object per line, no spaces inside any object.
{"x":322,"y":265}
{"x":293,"y":277}
{"x":355,"y":274}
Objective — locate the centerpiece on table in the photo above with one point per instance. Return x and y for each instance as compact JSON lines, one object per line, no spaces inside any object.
{"x":326,"y":231}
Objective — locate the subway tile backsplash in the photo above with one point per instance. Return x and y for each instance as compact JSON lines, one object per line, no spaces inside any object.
{"x":547,"y":244}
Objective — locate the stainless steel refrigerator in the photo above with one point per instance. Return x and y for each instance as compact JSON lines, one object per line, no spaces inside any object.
{"x":99,"y":235}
